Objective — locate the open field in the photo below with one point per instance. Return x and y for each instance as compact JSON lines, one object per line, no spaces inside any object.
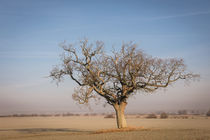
{"x":87,"y":127}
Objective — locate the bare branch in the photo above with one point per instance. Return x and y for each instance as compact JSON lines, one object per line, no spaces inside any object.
{"x":118,"y":75}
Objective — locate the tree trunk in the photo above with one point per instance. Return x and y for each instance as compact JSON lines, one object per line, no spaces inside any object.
{"x":120,"y":115}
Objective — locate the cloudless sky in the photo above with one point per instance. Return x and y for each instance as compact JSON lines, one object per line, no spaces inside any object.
{"x":30,"y":31}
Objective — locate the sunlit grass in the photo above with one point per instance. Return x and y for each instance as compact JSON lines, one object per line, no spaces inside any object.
{"x":99,"y":128}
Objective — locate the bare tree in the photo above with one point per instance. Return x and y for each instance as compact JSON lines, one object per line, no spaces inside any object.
{"x":117,"y":75}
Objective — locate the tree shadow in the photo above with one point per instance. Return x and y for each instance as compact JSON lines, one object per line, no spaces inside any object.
{"x":40,"y":130}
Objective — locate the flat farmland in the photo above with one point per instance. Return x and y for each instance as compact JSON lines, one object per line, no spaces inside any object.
{"x":99,"y":128}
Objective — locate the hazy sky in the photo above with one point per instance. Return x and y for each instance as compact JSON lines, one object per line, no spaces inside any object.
{"x":30,"y":31}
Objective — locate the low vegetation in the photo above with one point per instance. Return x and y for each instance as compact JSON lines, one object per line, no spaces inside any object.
{"x":109,"y":116}
{"x":151,"y":116}
{"x":182,"y":112}
{"x":208,"y":113}
{"x":163,"y":115}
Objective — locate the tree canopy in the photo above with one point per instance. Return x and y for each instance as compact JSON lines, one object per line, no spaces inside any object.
{"x":116,"y":75}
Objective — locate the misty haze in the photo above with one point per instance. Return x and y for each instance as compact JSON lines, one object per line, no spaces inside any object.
{"x":89,"y":69}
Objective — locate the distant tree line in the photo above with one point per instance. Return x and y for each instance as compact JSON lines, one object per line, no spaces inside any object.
{"x":108,"y":115}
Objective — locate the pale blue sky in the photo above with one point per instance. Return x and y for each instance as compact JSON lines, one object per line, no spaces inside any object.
{"x":30,"y":31}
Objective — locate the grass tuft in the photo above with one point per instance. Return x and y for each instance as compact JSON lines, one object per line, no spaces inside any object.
{"x":119,"y":130}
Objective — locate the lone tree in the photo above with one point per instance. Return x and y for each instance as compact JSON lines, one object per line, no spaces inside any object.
{"x":117,"y":75}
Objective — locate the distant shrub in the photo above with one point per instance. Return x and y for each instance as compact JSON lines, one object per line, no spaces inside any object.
{"x":45,"y":115}
{"x":67,"y":114}
{"x":182,"y":112}
{"x":180,"y":117}
{"x":57,"y":115}
{"x":109,"y":116}
{"x":86,"y":114}
{"x":208,"y":113}
{"x":151,"y":116}
{"x":76,"y":114}
{"x":163,"y":115}
{"x":184,"y":117}
{"x":195,"y":112}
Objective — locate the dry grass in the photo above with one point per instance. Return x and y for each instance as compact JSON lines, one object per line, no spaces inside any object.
{"x":127,"y":129}
{"x":96,"y":127}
